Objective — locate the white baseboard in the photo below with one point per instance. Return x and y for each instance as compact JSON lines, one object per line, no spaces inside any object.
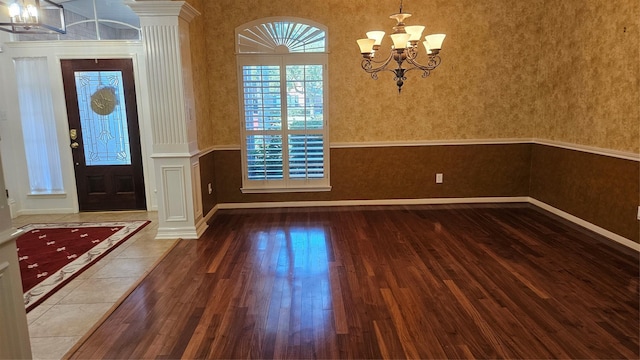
{"x":210,"y":214}
{"x":479,"y":200}
{"x":587,"y":225}
{"x":46,"y":211}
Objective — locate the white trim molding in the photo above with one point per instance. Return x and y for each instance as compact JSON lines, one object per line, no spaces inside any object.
{"x":219,"y":148}
{"x":164,"y":8}
{"x":13,"y":209}
{"x":425,"y":201}
{"x":347,"y":145}
{"x":174,"y":193}
{"x":79,"y":44}
{"x":178,"y":197}
{"x":565,"y":145}
{"x":210,"y":214}
{"x":14,"y":342}
{"x":273,"y":190}
{"x":584,"y":148}
{"x":590,"y":149}
{"x":182,"y":232}
{"x":46,"y":211}
{"x":61,"y":194}
{"x":197,"y":184}
{"x":587,"y":225}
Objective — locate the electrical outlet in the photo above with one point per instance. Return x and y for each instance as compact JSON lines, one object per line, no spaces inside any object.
{"x":209,"y":188}
{"x":439,"y":178}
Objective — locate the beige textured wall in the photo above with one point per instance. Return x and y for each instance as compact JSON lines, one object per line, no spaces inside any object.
{"x":200,"y":73}
{"x":557,"y":70}
{"x":589,"y":75}
{"x":485,"y":87}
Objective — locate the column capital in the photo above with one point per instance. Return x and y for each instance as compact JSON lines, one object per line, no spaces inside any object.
{"x":161,"y":8}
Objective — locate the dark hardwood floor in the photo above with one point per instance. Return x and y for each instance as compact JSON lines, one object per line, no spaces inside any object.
{"x":382,"y":282}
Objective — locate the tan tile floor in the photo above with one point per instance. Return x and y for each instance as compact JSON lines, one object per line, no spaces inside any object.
{"x":57,"y":324}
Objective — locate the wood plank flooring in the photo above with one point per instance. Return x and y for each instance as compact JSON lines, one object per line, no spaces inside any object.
{"x":382,"y":282}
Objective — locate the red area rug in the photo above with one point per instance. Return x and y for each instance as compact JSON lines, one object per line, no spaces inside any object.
{"x":50,"y":255}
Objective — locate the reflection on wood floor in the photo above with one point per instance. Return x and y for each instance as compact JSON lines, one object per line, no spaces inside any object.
{"x":382,"y":282}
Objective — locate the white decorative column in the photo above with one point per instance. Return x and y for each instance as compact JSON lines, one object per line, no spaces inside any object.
{"x":14,"y":333}
{"x":165,"y":34}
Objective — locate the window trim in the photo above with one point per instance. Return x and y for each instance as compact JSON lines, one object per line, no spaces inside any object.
{"x":277,"y":190}
{"x":283,"y":60}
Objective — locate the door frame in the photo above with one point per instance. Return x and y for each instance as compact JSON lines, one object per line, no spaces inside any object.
{"x":21,"y":201}
{"x":135,"y":169}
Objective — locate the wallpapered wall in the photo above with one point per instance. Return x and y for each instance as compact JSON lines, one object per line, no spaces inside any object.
{"x":200,"y":73}
{"x":588,"y":78}
{"x":565,"y":71}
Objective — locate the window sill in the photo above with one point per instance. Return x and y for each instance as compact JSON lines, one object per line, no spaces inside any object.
{"x":52,"y":195}
{"x":246,"y":190}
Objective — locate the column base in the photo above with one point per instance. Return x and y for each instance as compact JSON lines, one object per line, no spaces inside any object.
{"x":179,"y":196}
{"x":186,"y":232}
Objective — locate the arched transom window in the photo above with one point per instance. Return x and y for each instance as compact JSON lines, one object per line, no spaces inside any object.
{"x":282,"y":67}
{"x":276,"y":35}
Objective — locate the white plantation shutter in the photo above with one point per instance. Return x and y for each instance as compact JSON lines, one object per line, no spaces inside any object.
{"x":284,"y":129}
{"x":306,"y":157}
{"x":263,"y":122}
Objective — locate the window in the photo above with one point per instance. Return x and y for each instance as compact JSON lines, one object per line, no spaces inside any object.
{"x":38,"y":126}
{"x":282,"y":65}
{"x":93,"y":20}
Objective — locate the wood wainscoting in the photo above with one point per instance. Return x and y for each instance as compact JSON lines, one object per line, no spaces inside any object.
{"x":598,"y":187}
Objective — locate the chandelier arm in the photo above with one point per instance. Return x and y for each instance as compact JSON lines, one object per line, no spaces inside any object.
{"x":425,"y":72}
{"x":384,"y":62}
{"x":368,"y":67}
{"x":433,"y":63}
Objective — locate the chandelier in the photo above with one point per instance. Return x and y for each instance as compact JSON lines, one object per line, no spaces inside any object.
{"x":34,"y":17}
{"x":404,"y":51}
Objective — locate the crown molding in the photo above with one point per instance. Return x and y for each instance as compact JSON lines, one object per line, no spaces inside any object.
{"x":152,"y":8}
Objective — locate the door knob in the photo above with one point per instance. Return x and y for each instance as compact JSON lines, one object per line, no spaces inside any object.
{"x":74,"y":145}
